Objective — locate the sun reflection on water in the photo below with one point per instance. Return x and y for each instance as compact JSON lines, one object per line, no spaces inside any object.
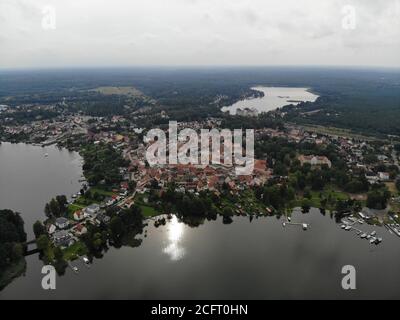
{"x":175,"y":233}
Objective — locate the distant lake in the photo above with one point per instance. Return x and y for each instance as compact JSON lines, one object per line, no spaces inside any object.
{"x":274,"y":98}
{"x":258,"y":259}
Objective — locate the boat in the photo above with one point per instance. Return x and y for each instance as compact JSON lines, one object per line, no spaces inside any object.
{"x":284,"y":224}
{"x":363,"y":236}
{"x":305,"y":226}
{"x":360,"y":221}
{"x":46,"y":155}
{"x":372,"y":241}
{"x":368,"y":237}
{"x":343,"y":226}
{"x":379,"y":240}
{"x":373,"y":233}
{"x":348,"y":228}
{"x":289,"y":219}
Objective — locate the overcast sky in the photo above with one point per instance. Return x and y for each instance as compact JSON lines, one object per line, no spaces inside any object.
{"x":199,"y":32}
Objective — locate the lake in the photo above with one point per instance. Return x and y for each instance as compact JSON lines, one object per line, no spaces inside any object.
{"x":29,"y":178}
{"x":274,"y":98}
{"x":258,"y":259}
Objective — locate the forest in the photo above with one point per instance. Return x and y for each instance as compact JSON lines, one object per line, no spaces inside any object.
{"x":364,"y":100}
{"x":12,"y":238}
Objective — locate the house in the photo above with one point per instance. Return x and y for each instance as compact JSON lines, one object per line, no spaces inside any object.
{"x":382,"y":157}
{"x":384,"y":176}
{"x":51,"y":228}
{"x":91,"y":210}
{"x":80,"y":229}
{"x":109,"y":201}
{"x":62,"y":223}
{"x":102,"y":218}
{"x":315,"y":160}
{"x":78,"y":215}
{"x":62,"y":238}
{"x":371,"y":177}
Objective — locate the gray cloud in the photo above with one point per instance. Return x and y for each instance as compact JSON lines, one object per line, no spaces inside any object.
{"x":174,"y":32}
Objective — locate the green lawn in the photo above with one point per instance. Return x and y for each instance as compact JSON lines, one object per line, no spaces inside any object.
{"x":101,"y":190}
{"x":74,"y":251}
{"x":74,"y":207}
{"x":148,"y":211}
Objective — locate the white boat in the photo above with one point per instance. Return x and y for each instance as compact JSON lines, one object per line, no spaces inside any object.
{"x":305,"y":226}
{"x":373,"y":233}
{"x":368,"y":237}
{"x":343,"y":226}
{"x":348,"y":228}
{"x":46,"y":155}
{"x":363,"y":236}
{"x":372,"y":241}
{"x":360,"y":221}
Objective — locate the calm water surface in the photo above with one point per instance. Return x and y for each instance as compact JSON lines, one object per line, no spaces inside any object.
{"x":258,"y":259}
{"x":274,"y":97}
{"x":29,"y":179}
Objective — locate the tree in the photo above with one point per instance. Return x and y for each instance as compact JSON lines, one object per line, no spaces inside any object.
{"x":58,"y":254}
{"x":47,"y":210}
{"x":17,"y":252}
{"x":227,"y":212}
{"x":305,"y":205}
{"x":377,"y":199}
{"x":116,"y":226}
{"x":280,"y":169}
{"x":42,"y":242}
{"x":38,"y":229}
{"x":62,"y":201}
{"x":55,"y":207}
{"x":132,"y":185}
{"x":11,"y":233}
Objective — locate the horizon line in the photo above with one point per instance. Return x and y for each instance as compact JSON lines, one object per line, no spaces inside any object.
{"x":200,"y":66}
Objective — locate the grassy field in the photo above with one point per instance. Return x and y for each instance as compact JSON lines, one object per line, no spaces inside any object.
{"x":337,"y":132}
{"x":392,"y":188}
{"x":74,"y":251}
{"x":147,"y":210}
{"x":101,"y":191}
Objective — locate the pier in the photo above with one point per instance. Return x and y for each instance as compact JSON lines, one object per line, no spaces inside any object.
{"x":393,"y":230}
